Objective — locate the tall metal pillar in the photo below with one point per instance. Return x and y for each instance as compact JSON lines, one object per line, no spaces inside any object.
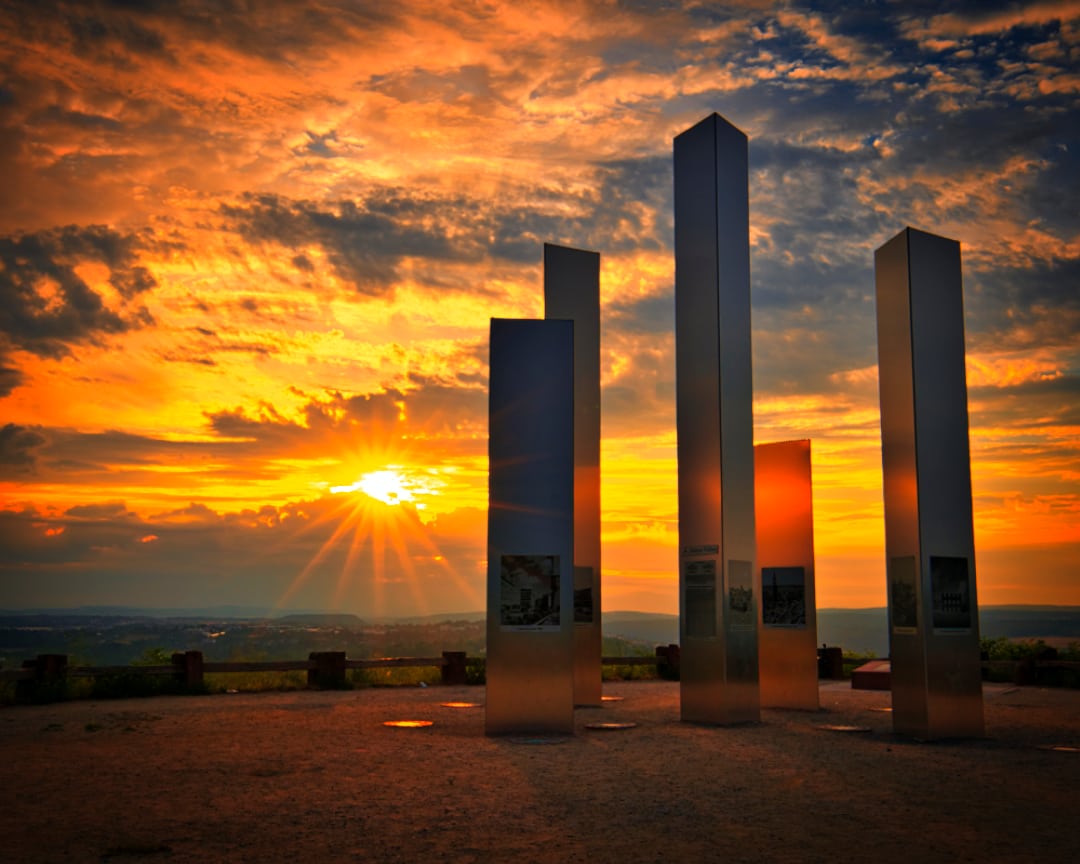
{"x":929,"y":538}
{"x":719,"y":585}
{"x":572,"y":291}
{"x":784,"y":520}
{"x":530,"y":627}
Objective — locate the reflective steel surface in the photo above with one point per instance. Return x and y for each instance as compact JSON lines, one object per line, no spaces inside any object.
{"x":929,"y":540}
{"x":718,"y":581}
{"x":784,"y":522}
{"x":572,"y":291}
{"x":530,"y":606}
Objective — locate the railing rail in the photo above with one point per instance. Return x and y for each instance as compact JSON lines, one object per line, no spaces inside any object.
{"x":28,"y":673}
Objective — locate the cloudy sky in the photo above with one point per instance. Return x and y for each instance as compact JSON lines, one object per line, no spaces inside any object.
{"x":249,"y":252}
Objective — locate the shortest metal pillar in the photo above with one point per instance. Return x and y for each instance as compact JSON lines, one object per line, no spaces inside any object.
{"x":784,"y":520}
{"x":530,"y":597}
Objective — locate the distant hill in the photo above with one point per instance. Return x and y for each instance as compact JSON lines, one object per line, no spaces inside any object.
{"x":1031,"y":622}
{"x":856,"y":630}
{"x":648,"y":627}
{"x":437,"y":618}
{"x":209,"y":612}
{"x":330,"y":619}
{"x":241,"y":613}
{"x":862,"y":631}
{"x":866,"y":630}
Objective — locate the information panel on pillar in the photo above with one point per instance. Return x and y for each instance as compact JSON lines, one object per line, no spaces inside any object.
{"x":530,"y":598}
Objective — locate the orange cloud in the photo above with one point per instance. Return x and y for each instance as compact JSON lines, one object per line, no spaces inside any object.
{"x":250,"y":257}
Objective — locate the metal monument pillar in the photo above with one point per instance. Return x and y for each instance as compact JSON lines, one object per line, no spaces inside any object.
{"x":719,"y":585}
{"x":784,"y":522}
{"x":572,"y":291}
{"x":929,"y":537}
{"x":530,"y":635}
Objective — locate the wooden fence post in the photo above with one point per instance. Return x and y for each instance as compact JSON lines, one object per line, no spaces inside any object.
{"x":329,"y":671}
{"x":667,"y":661}
{"x":453,"y":670}
{"x":189,"y":669}
{"x":50,"y":672}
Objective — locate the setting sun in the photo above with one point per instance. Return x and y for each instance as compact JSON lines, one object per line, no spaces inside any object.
{"x":391,"y":486}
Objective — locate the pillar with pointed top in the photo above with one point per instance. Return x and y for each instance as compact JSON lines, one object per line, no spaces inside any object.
{"x":719,"y":586}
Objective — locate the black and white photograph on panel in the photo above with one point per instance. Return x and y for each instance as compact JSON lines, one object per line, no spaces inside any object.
{"x":783,"y":596}
{"x":741,"y":595}
{"x":951,"y":592}
{"x":529,"y":598}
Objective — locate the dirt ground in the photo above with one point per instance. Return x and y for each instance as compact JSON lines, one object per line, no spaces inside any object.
{"x":316,"y":776}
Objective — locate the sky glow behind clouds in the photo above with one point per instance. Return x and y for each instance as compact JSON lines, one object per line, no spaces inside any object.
{"x":248,"y":253}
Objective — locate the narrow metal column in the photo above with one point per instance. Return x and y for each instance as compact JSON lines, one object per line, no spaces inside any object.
{"x":530,"y":627}
{"x":784,"y":520}
{"x":719,"y":585}
{"x":572,"y":291}
{"x":929,"y":538}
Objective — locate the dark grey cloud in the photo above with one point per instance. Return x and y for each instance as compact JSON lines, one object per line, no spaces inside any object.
{"x":1052,"y":202}
{"x":116,"y":31}
{"x":323,"y":146}
{"x":104,"y":510}
{"x":1049,"y":402}
{"x":10,"y":377}
{"x":654,"y":314}
{"x":1032,"y":306}
{"x":46,"y":307}
{"x":364,"y":241}
{"x":62,"y":455}
{"x":17,"y":448}
{"x":104,"y":32}
{"x":54,"y":114}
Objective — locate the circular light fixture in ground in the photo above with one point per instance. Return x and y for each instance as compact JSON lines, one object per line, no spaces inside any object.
{"x":610,"y":727}
{"x":460,"y":704}
{"x":611,"y":698}
{"x":1060,"y":748}
{"x":407,"y":724}
{"x":828,"y":727}
{"x":885,"y":710}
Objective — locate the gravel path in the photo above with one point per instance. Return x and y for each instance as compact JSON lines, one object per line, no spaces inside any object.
{"x":316,"y":776}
